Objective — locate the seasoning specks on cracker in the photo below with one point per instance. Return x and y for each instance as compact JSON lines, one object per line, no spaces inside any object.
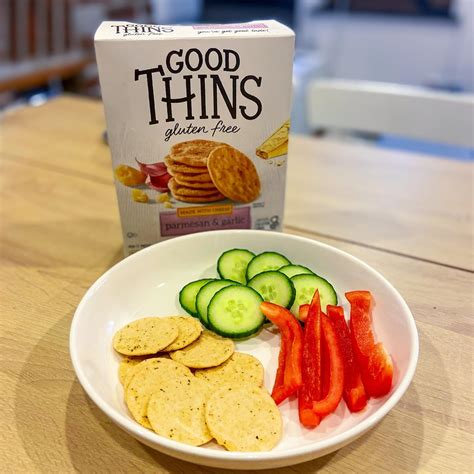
{"x":239,"y":368}
{"x":127,"y":364}
{"x":145,"y":336}
{"x":189,"y":329}
{"x":207,"y":351}
{"x":147,"y":378}
{"x":244,"y":418}
{"x":223,"y":399}
{"x":176,"y":410}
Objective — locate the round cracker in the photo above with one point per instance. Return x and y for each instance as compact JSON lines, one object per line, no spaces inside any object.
{"x":180,"y":190}
{"x":207,"y":351}
{"x":194,"y":184}
{"x":238,"y":369}
{"x":193,"y":152}
{"x":176,"y":410}
{"x":189,"y":329}
{"x":126,"y":366}
{"x":234,"y":174}
{"x":133,"y":367}
{"x":201,"y":199}
{"x":147,"y":378}
{"x":145,"y":336}
{"x":243,"y":418}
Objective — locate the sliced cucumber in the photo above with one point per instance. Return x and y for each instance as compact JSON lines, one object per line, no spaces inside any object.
{"x":187,"y":295}
{"x":264,"y":262}
{"x":274,"y":287}
{"x":292,"y":270}
{"x":205,"y":295}
{"x":235,"y":312}
{"x":232,"y":265}
{"x":306,"y":285}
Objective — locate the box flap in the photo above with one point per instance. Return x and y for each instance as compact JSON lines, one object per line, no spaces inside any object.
{"x":121,"y":30}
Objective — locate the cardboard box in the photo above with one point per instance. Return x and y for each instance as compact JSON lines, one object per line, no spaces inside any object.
{"x":197,"y":122}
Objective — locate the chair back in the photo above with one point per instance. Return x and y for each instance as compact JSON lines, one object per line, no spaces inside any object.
{"x":406,"y":111}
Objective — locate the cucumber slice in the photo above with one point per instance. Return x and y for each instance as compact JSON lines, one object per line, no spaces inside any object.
{"x":264,"y":262}
{"x":232,"y":264}
{"x":274,"y":287}
{"x":205,"y":295}
{"x":235,"y":312}
{"x":292,"y":270}
{"x":305,"y":286}
{"x":187,"y":295}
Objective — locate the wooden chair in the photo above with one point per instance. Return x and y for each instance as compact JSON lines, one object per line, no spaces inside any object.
{"x":406,"y":111}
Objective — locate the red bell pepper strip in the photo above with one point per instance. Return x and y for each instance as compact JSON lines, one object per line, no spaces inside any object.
{"x":292,"y":338}
{"x":354,"y":391}
{"x":303,"y":312}
{"x":329,"y":403}
{"x":325,"y":367}
{"x":302,"y":316}
{"x":375,"y":364}
{"x":380,"y":372}
{"x":310,"y":391}
{"x":286,"y":339}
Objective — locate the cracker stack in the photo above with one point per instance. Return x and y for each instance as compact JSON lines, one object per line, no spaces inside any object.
{"x":223,"y":399}
{"x":191,"y":181}
{"x":208,"y":171}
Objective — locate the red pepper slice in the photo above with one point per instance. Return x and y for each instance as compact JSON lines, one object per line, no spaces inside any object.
{"x":302,"y":316}
{"x":330,"y":402}
{"x":285,"y":346}
{"x":375,"y":364}
{"x":354,"y":391}
{"x":303,"y":312}
{"x":325,"y":367}
{"x":292,"y":338}
{"x":310,"y":390}
{"x":380,"y":372}
{"x":284,"y":380}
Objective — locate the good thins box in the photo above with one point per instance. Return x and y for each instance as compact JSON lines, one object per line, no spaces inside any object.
{"x":197,"y":122}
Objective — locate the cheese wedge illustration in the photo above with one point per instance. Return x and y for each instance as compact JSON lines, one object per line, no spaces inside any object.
{"x":276,"y":144}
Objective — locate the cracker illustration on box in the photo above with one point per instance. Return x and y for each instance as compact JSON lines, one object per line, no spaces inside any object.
{"x":234,"y":174}
{"x":193,"y":114}
{"x":192,"y":187}
{"x":228,"y":173}
{"x":193,"y":152}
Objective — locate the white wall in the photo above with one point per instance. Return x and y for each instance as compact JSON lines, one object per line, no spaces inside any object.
{"x":394,"y":49}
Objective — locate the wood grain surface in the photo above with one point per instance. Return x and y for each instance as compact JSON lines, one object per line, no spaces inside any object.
{"x":60,"y":231}
{"x":416,"y":205}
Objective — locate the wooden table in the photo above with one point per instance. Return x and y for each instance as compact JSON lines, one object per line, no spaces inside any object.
{"x":409,"y":216}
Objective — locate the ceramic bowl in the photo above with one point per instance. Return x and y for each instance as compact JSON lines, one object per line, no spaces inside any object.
{"x":147,"y":283}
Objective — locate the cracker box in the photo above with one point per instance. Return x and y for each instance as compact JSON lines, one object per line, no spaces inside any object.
{"x":197,"y":122}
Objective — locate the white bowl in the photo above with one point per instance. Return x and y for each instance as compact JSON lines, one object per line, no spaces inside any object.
{"x":147,"y":283}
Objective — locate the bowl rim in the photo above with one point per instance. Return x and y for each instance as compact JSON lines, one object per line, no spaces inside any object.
{"x":325,"y":444}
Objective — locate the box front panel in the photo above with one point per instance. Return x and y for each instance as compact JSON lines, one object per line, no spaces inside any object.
{"x":213,"y":114}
